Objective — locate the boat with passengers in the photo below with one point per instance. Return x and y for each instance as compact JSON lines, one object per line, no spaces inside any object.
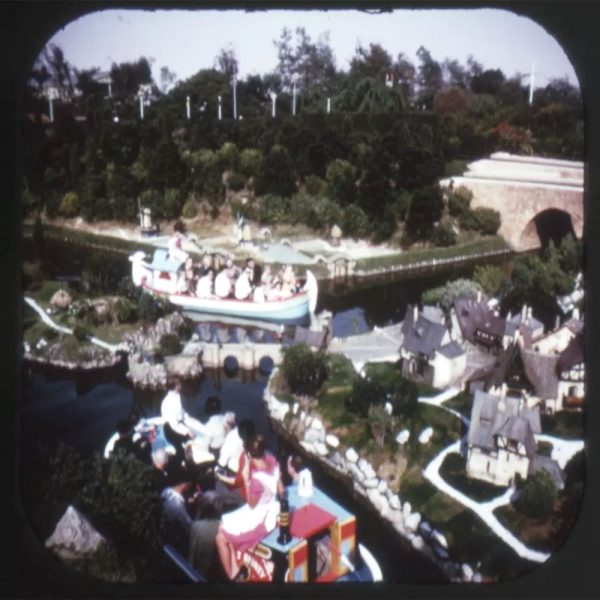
{"x":321,"y":545}
{"x":161,"y":277}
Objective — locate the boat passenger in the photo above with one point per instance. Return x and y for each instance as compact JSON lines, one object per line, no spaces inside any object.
{"x":217,"y":426}
{"x":288,"y":282}
{"x":175,"y":243}
{"x":204,"y":288}
{"x":243,"y":528}
{"x":233,"y":271}
{"x":205,"y":266}
{"x":223,"y":287}
{"x":190,"y":273}
{"x":170,"y":468}
{"x":179,"y":425}
{"x":243,"y":285}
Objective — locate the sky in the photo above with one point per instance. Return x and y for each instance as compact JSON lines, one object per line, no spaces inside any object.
{"x":187,"y":41}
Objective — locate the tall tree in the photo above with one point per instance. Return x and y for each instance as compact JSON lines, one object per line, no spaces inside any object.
{"x":429,"y":78}
{"x":128,"y":76}
{"x":226,"y":62}
{"x":61,"y":72}
{"x":167,"y":79}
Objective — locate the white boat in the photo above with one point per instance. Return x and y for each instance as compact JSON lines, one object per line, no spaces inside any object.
{"x":160,"y":277}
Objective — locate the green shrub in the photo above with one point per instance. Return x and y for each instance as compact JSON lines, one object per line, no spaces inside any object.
{"x":189,"y":210}
{"x":453,"y":470}
{"x":69,"y":206}
{"x":124,"y":311}
{"x":304,"y":371}
{"x":468,"y":220}
{"x":490,"y":278}
{"x":128,"y":290}
{"x":70,"y":346}
{"x":314,"y":185}
{"x":170,"y":344}
{"x":80,"y":332}
{"x":172,"y":203}
{"x":236,"y":181}
{"x":459,"y":201}
{"x":544,"y":448}
{"x":148,"y":307}
{"x":488,"y":220}
{"x":102,"y":274}
{"x":537,"y":496}
{"x":32,"y":275}
{"x":366,"y":392}
{"x":355,"y":222}
{"x":443,"y":235}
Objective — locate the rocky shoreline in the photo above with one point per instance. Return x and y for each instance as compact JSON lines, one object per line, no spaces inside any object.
{"x":360,"y":476}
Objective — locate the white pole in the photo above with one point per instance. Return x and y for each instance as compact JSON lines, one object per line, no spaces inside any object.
{"x":51,"y":109}
{"x":187,"y":106}
{"x":273,"y":98}
{"x":234,"y":83}
{"x":141,"y":107}
{"x":531,"y":83}
{"x":294,"y":98}
{"x":328,"y":105}
{"x":109,"y":89}
{"x":219,"y":112}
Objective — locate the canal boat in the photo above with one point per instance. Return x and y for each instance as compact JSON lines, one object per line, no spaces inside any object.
{"x":322,"y":545}
{"x":160,"y":277}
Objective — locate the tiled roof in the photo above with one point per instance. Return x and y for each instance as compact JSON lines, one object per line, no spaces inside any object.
{"x":452,"y":350}
{"x":515,"y":322}
{"x":540,"y":369}
{"x":573,"y":354}
{"x":473,"y":315}
{"x":422,"y":337}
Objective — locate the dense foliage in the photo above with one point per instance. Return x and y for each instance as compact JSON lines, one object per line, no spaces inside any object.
{"x":393,"y":128}
{"x":304,"y":370}
{"x":537,"y":496}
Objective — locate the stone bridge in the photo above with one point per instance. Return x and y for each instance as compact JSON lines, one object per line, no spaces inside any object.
{"x":248,"y":355}
{"x":523,"y":189}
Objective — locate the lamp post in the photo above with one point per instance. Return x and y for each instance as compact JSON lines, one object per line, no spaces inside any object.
{"x":328,"y":105}
{"x":294,"y":97}
{"x":187,"y":107}
{"x":531,"y":83}
{"x":273,"y":99}
{"x":234,"y":86}
{"x":219,"y":111}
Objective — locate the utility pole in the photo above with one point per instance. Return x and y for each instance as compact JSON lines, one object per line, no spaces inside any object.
{"x":328,"y":105}
{"x":294,"y":97}
{"x":273,"y":99}
{"x":531,"y":83}
{"x":187,"y":107}
{"x":141,"y":107}
{"x":219,"y":111}
{"x":234,"y":85}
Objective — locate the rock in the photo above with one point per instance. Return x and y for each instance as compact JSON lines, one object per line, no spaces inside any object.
{"x":441,"y":553}
{"x":366,"y":468}
{"x":312,"y":436}
{"x":337,"y":459}
{"x":477,"y":578}
{"x":302,"y":416}
{"x":356,"y":473}
{"x":371,"y":483}
{"x":440,"y":539}
{"x":102,"y":307}
{"x":406,"y":509}
{"x":395,"y":503}
{"x":403,"y":436}
{"x":74,"y":535}
{"x":185,"y":367}
{"x":467,"y":572}
{"x":61,"y":299}
{"x":295,"y":408}
{"x":412,"y":521}
{"x":280,"y":410}
{"x":332,"y":440}
{"x":308,"y":446}
{"x":425,"y":435}
{"x":398,"y":520}
{"x":351,"y":455}
{"x":382,"y":487}
{"x":417,"y":543}
{"x":388,"y":408}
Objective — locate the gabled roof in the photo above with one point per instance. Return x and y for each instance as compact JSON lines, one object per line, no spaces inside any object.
{"x":162,"y":262}
{"x":498,"y":374}
{"x":433,"y":313}
{"x":574,"y":325}
{"x":516,"y":322}
{"x":540,"y":369}
{"x":473,"y":315}
{"x":572,"y":355}
{"x":492,"y":416}
{"x":422,"y":337}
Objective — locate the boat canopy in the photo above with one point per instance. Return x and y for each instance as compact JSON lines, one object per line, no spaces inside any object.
{"x":161,"y":261}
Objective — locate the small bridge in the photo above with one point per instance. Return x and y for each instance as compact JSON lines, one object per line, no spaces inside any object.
{"x":248,"y":356}
{"x":527,"y":191}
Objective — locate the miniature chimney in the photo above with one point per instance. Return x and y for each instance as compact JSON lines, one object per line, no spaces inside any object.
{"x":503,"y":391}
{"x":523,"y":313}
{"x":557,"y":322}
{"x":576,"y":314}
{"x":415,"y":313}
{"x":478,"y":296}
{"x":529,"y":315}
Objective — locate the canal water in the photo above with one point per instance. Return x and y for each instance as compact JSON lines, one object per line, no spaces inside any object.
{"x":82,"y":410}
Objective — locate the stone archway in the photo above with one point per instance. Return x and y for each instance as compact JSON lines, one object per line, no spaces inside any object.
{"x":550,"y":224}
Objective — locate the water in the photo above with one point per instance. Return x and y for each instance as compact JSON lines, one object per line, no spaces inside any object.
{"x":82,"y":411}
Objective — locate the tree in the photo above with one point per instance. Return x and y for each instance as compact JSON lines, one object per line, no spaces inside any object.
{"x":488,"y":220}
{"x":538,"y":495}
{"x":341,"y":180}
{"x":443,"y":235}
{"x":429,"y":78}
{"x":167,"y":79}
{"x":425,"y":209}
{"x":304,"y":371}
{"x":452,"y":101}
{"x":227,"y":63}
{"x":366,"y":392}
{"x":490,"y":278}
{"x":61,"y":72}
{"x":277,"y":173}
{"x":127,"y":77}
{"x":446,"y":294}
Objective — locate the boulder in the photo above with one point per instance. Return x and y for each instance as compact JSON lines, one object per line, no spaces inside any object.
{"x":337,"y":459}
{"x":308,"y":446}
{"x":418,"y":543}
{"x":412,"y":521}
{"x":279,"y":411}
{"x":388,"y":408}
{"x":61,"y":299}
{"x":395,"y":503}
{"x":185,"y":367}
{"x":467,"y":572}
{"x":406,"y":509}
{"x":351,"y":455}
{"x":425,"y":435}
{"x":403,"y":436}
{"x":382,"y":487}
{"x":295,"y":408}
{"x":312,"y":436}
{"x":317,"y":425}
{"x":439,"y":539}
{"x":74,"y":535}
{"x":371,"y":483}
{"x":321,"y":448}
{"x":441,"y":553}
{"x":355,"y":472}
{"x":366,"y":468}
{"x":425,"y":529}
{"x":332,"y":440}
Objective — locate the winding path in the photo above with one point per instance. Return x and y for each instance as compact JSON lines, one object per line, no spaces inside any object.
{"x":46,"y":319}
{"x":562,"y":451}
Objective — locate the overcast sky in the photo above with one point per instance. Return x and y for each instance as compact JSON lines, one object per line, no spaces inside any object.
{"x":187,"y":41}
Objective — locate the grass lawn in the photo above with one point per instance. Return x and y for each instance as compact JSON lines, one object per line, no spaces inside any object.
{"x":453,"y":470}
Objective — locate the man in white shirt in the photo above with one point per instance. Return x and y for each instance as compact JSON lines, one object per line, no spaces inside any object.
{"x":179,"y":426}
{"x":233,"y":445}
{"x":222,"y":284}
{"x":204,"y":288}
{"x":216,"y":427}
{"x":243,"y":286}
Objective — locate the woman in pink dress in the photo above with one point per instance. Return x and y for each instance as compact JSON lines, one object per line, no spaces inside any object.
{"x":243,"y":528}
